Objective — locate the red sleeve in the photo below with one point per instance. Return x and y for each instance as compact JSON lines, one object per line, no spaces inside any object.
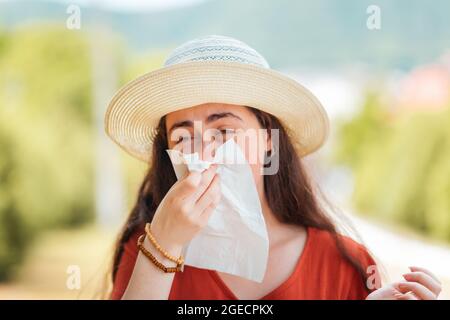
{"x":126,"y":265}
{"x":360,"y":289}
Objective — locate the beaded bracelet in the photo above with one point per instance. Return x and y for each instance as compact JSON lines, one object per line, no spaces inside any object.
{"x":152,"y":239}
{"x":155,"y":261}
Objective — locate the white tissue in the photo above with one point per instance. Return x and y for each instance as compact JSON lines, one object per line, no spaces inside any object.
{"x":235,"y":239}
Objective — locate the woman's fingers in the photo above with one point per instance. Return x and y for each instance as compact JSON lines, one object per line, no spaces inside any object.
{"x":211,"y":195}
{"x":424,"y":279}
{"x":413,"y":269}
{"x":405,"y":296}
{"x":418,"y":289}
{"x":187,"y":185}
{"x":194,"y":184}
{"x":204,"y":217}
{"x":207,"y":177}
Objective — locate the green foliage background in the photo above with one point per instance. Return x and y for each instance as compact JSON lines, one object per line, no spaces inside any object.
{"x":47,"y":133}
{"x":46,"y":137}
{"x":401,"y":165}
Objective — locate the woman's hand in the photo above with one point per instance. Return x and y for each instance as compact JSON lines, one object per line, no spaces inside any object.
{"x":186,"y":208}
{"x":419,"y":284}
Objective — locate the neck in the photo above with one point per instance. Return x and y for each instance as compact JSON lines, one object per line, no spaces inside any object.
{"x":269,"y":216}
{"x":273,"y":226}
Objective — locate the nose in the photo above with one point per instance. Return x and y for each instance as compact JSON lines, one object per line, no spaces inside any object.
{"x":208,"y":150}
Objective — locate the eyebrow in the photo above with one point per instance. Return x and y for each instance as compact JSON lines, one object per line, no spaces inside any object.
{"x":211,"y":118}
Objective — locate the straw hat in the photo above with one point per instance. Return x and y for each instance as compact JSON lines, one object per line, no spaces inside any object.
{"x":212,"y":69}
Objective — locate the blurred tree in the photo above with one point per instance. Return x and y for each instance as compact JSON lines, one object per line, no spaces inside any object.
{"x":437,"y":189}
{"x":46,"y":158}
{"x":367,"y":128}
{"x":13,"y":237}
{"x":401,"y":166}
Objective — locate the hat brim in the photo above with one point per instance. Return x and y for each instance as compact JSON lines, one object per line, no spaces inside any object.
{"x":135,"y":110}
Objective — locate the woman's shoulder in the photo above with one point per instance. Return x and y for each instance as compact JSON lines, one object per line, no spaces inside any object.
{"x":327,"y":244}
{"x":328,"y":260}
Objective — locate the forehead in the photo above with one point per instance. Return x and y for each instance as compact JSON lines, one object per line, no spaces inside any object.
{"x":201,"y":112}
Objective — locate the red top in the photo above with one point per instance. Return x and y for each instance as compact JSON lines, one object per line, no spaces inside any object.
{"x":321,"y":273}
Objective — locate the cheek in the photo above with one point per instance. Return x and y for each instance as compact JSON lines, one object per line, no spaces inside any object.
{"x":257,"y":176}
{"x":255,"y":157}
{"x":254,"y":149}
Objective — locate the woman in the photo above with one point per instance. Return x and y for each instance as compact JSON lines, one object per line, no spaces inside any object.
{"x":228,"y":88}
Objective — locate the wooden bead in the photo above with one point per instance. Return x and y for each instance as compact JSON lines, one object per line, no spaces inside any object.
{"x":155,"y":261}
{"x":152,"y":239}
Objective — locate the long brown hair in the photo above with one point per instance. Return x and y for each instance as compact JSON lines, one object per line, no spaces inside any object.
{"x":289,"y":192}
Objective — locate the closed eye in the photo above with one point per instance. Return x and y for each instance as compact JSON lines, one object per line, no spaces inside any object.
{"x":223,"y":131}
{"x":184,"y":139}
{"x":227,"y":130}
